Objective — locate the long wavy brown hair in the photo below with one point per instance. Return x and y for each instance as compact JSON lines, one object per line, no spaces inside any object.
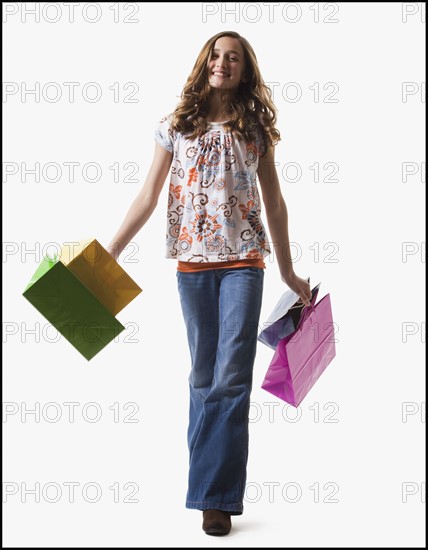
{"x":251,"y":102}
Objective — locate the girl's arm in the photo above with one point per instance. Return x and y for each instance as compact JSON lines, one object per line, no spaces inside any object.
{"x":277,"y":217}
{"x":145,"y":202}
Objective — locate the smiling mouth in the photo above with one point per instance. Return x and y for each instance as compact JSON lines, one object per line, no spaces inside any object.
{"x":218,"y":73}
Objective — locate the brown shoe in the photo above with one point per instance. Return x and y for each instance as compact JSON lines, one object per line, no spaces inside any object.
{"x":216,"y":522}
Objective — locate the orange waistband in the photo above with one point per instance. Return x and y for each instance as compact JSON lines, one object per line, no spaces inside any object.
{"x":202,"y":266}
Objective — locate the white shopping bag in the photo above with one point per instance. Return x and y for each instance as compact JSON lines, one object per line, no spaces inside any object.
{"x":284,"y":318}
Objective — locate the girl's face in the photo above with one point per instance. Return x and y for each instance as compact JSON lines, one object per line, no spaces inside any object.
{"x":226,"y":66}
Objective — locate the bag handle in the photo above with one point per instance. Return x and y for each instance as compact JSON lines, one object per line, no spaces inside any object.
{"x":304,"y":315}
{"x":302,"y":305}
{"x":311,"y":305}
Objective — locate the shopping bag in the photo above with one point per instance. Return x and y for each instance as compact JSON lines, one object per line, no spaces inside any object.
{"x":76,"y":299}
{"x":302,"y":356}
{"x":101,"y":274}
{"x":284,"y":318}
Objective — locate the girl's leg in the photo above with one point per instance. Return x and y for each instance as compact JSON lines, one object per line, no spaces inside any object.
{"x":219,"y":450}
{"x":199,"y":297}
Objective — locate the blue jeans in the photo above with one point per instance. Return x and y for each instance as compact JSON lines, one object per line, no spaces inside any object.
{"x":221,"y":310}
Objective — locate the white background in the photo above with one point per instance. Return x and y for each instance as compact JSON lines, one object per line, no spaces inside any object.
{"x":350,"y":437}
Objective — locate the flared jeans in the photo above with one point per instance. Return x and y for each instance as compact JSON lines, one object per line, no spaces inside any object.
{"x":221,"y":310}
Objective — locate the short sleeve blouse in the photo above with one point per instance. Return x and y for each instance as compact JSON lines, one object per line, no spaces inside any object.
{"x":214,"y":207}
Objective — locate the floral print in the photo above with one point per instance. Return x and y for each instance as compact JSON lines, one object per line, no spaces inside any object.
{"x":213,"y":211}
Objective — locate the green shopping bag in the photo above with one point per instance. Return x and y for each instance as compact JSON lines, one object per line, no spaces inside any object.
{"x":71,"y":308}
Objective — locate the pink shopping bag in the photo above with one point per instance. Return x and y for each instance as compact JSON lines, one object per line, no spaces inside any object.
{"x":301,"y":357}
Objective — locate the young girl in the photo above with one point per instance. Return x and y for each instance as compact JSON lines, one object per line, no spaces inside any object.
{"x":219,"y":139}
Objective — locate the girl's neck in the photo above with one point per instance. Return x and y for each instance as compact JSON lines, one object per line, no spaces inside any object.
{"x":219,"y":107}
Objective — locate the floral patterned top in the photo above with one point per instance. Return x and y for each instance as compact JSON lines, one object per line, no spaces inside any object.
{"x":213,"y":212}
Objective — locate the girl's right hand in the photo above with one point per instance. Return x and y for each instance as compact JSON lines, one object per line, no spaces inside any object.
{"x":113,"y":250}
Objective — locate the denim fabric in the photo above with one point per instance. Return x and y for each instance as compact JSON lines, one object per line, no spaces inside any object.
{"x":221,"y":310}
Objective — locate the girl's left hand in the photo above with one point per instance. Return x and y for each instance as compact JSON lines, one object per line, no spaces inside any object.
{"x":300,"y":286}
